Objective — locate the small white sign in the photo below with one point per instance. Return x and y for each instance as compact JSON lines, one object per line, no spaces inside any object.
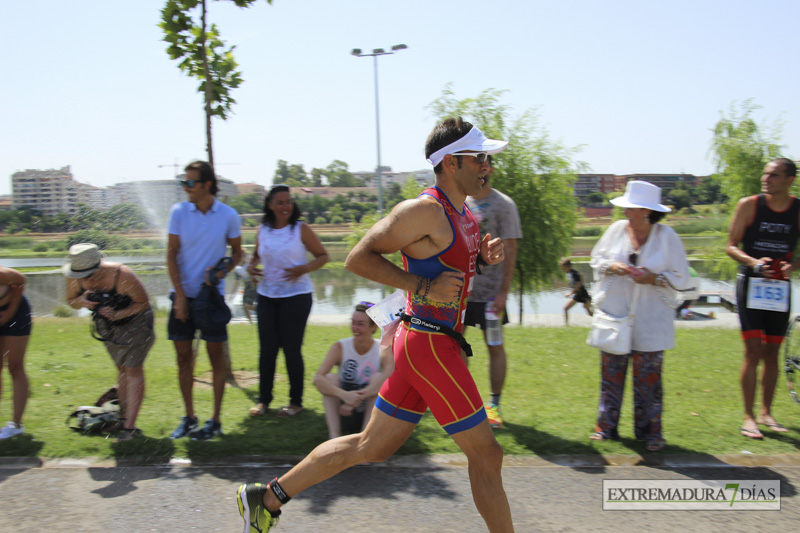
{"x":768,"y":294}
{"x":682,"y":495}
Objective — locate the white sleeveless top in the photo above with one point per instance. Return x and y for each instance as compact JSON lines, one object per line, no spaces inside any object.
{"x":358,"y":369}
{"x":279,"y":249}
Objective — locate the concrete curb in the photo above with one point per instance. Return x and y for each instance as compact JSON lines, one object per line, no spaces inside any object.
{"x":422,"y":461}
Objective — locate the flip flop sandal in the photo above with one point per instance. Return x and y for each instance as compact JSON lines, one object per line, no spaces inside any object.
{"x":289,"y":410}
{"x":752,"y":433}
{"x":774,"y":426}
{"x":259,"y":410}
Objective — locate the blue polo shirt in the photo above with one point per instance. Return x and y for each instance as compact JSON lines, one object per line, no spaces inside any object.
{"x":204,"y":240}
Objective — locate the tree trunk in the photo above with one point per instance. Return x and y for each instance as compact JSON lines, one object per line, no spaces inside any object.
{"x":207,"y":73}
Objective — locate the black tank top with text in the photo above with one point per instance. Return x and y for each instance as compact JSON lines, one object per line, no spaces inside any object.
{"x":772,"y":234}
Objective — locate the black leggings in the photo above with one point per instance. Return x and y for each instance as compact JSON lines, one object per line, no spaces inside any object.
{"x":282,"y":324}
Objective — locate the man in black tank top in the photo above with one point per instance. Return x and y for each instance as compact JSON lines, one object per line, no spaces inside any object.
{"x":767,"y":228}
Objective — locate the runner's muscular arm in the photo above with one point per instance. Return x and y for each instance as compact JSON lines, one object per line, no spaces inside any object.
{"x":411,"y":227}
{"x":745,"y":211}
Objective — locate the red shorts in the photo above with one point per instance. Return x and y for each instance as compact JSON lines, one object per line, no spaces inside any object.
{"x":429,"y":372}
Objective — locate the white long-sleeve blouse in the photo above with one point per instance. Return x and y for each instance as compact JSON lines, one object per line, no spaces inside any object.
{"x":663,"y":253}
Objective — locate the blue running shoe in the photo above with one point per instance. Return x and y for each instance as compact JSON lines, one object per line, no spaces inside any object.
{"x":186,"y":428}
{"x":257,"y":518}
{"x":210,"y":429}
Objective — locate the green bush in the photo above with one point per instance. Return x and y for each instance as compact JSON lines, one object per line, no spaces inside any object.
{"x":588,"y":231}
{"x":15,"y":243}
{"x":40,"y":247}
{"x":63,"y":311}
{"x":320,"y":220}
{"x":102,"y":240}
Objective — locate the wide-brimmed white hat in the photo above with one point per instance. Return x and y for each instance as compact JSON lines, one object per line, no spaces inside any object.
{"x":643,"y":195}
{"x":84,"y":258}
{"x":473,"y":141}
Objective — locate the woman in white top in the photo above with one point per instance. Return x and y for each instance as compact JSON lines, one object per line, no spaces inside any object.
{"x":283,"y":243}
{"x":362,"y":369}
{"x":639,"y":252}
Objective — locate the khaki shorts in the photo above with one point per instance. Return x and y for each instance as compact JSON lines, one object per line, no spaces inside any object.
{"x":132,"y":341}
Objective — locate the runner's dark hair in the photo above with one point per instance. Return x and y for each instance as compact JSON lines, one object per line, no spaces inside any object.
{"x":444,"y":133}
{"x":789,"y":166}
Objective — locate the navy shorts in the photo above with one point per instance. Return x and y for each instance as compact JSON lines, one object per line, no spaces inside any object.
{"x":20,"y":324}
{"x":184,"y":331}
{"x":476,"y":315}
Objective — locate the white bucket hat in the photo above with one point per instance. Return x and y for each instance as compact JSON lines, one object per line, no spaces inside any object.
{"x":84,"y":258}
{"x":643,"y":195}
{"x":473,"y":141}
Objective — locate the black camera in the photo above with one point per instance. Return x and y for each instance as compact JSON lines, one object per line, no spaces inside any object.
{"x":102,"y":299}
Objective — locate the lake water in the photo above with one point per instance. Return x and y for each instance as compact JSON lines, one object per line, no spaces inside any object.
{"x":335,"y":291}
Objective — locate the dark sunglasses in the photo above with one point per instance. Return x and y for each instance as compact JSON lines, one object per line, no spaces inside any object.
{"x":633,"y":258}
{"x":189,"y":184}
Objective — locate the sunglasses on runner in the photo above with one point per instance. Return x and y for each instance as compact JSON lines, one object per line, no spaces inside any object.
{"x":480,"y":157}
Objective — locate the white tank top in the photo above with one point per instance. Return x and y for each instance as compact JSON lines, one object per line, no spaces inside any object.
{"x":279,"y":249}
{"x":358,"y":369}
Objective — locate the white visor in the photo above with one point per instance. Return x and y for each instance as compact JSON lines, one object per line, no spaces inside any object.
{"x":474,"y":141}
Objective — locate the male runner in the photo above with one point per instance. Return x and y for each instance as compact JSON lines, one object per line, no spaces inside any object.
{"x":199,"y":232}
{"x":497,"y":215}
{"x":439,"y":239}
{"x":766,"y":226}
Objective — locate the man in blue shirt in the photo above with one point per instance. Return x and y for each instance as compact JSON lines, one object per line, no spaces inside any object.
{"x":199,"y":232}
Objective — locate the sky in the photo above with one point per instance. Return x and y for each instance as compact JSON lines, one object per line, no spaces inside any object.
{"x":638,"y":85}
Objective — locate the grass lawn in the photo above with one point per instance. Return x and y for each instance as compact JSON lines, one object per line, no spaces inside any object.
{"x":549,"y":403}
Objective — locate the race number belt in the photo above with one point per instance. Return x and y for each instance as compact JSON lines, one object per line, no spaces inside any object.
{"x":439,"y":328}
{"x":768,"y":294}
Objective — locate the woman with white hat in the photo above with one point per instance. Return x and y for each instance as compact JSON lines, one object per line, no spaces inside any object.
{"x":122,"y":318}
{"x":642,"y":259}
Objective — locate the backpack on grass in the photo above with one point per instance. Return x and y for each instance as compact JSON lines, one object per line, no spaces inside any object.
{"x":98,"y":417}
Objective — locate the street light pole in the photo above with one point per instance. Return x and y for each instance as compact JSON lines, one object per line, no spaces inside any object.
{"x":375,"y":53}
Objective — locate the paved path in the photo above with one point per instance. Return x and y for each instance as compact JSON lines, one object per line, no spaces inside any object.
{"x":408,"y":495}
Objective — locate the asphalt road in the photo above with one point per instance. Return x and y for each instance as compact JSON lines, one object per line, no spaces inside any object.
{"x":408,"y":496}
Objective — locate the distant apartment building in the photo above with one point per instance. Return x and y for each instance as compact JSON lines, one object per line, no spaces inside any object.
{"x":251,"y":188}
{"x":667,"y":182}
{"x":158,"y":196}
{"x":49,"y":191}
{"x":589,"y":183}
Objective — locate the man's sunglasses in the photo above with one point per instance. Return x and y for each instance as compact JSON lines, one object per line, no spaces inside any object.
{"x":480,"y":157}
{"x":189,"y":184}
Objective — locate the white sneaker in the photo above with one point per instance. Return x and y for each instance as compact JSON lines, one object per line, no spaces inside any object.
{"x":10,"y":430}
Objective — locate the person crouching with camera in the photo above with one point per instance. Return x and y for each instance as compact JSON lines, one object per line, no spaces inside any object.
{"x":122,"y":320}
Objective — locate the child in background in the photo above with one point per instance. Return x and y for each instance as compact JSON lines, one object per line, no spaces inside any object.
{"x":577,"y":293}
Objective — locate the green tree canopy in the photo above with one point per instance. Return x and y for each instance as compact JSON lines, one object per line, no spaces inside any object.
{"x":741,"y":148}
{"x":536,"y":171}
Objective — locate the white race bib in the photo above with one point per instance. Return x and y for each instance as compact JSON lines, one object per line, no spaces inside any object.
{"x":768,"y":294}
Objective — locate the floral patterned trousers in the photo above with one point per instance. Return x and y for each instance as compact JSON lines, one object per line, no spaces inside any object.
{"x":648,"y":393}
